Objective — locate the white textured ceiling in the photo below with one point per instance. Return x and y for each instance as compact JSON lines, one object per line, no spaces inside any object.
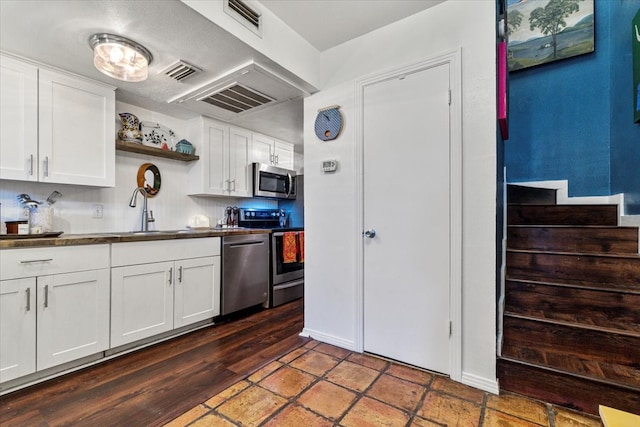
{"x":56,"y":32}
{"x":328,"y":23}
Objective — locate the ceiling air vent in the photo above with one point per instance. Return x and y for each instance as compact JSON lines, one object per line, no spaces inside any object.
{"x":244,"y":14}
{"x":237,"y":98}
{"x":180,"y":70}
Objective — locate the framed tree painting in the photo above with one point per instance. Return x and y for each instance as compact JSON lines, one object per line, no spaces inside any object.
{"x":543,"y":31}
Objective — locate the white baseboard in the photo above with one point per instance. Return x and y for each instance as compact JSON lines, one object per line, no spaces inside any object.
{"x":630,"y":220}
{"x":486,"y":384}
{"x":329,"y":339}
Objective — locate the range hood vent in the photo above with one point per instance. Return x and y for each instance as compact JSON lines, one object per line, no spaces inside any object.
{"x":180,"y":70}
{"x":243,"y":13}
{"x":243,"y":90}
{"x":238,"y":99}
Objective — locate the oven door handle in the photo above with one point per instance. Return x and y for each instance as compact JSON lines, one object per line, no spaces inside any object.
{"x":288,"y":285}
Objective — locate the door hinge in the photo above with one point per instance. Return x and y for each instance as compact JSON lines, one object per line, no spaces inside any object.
{"x":449,"y":96}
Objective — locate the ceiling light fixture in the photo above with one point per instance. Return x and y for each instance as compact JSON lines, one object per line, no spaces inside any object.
{"x":120,"y":58}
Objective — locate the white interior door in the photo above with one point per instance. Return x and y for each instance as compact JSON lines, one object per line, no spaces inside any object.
{"x":406,"y":201}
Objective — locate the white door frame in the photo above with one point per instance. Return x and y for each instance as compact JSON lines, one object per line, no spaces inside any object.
{"x":453,"y":59}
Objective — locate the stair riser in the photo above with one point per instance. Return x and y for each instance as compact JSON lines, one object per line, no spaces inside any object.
{"x":604,"y":309}
{"x":588,"y":270}
{"x":602,"y":240}
{"x":562,"y":215}
{"x":564,"y":390}
{"x":530,"y":195}
{"x":554,"y":345}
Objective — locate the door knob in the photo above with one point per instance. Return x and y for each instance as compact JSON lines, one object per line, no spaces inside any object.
{"x":370,"y":233}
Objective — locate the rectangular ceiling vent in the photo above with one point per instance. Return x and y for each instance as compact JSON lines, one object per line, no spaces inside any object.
{"x":180,"y":70}
{"x":238,"y":98}
{"x":246,"y":15}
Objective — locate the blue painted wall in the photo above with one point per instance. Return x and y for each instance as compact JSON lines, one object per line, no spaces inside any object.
{"x":572,"y":119}
{"x":625,"y":135}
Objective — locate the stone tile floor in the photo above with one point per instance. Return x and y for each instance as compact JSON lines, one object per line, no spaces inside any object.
{"x":322,"y":385}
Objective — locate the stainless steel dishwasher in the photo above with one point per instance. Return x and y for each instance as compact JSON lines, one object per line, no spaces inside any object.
{"x":245,"y":271}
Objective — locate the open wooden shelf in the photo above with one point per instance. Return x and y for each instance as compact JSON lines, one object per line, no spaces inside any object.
{"x":152,"y":151}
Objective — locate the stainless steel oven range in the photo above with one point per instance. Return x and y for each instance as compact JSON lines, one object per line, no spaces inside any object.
{"x":286,"y":254}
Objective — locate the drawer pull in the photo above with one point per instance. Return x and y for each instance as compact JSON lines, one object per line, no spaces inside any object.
{"x":46,"y":296}
{"x":36,"y":260}
{"x":28,"y":299}
{"x":170,"y":275}
{"x":180,"y":274}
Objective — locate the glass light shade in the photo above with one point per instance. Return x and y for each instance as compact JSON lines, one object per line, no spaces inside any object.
{"x":120,"y":58}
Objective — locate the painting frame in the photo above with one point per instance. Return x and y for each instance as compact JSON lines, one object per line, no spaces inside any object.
{"x":544,"y":31}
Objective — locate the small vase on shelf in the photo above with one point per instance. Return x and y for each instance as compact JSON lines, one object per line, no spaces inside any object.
{"x":130,"y":131}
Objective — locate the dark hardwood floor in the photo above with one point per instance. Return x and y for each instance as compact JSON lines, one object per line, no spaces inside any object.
{"x":156,"y":384}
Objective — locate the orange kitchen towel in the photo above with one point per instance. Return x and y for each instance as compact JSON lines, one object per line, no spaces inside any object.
{"x":301,"y":246}
{"x":289,"y":247}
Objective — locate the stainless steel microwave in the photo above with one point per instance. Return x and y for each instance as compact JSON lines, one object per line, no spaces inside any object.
{"x":273,"y":182}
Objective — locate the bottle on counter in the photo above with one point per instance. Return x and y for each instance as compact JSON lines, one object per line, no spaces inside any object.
{"x":229,"y":218}
{"x":235,"y":216}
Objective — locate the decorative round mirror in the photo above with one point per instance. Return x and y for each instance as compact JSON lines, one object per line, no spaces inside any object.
{"x":149,"y":179}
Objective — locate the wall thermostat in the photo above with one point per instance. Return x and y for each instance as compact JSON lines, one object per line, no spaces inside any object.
{"x":329,"y":165}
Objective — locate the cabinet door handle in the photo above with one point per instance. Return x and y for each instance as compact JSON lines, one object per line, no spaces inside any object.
{"x":170,"y":275}
{"x":45,"y":163}
{"x":46,"y":296}
{"x":234,"y":184}
{"x":31,"y":165}
{"x":28,"y":299}
{"x":277,"y":158}
{"x":36,"y":260}
{"x":180,"y":274}
{"x":272,"y":158}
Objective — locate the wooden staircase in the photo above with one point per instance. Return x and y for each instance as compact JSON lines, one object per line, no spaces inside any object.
{"x":571,"y":324}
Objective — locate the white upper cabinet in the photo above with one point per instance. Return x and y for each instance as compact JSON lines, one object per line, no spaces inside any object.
{"x":270,"y":151}
{"x":240,"y":162}
{"x":59,"y":128}
{"x":19,"y":120}
{"x":224,"y":167}
{"x":283,"y":152}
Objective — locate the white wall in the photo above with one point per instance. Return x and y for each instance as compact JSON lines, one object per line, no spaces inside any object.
{"x":171,"y":207}
{"x":330,"y":226}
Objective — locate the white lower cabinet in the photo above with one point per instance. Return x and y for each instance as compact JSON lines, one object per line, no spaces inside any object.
{"x":195,"y":298}
{"x":54,"y":307}
{"x":141,"y":301}
{"x":72,"y":316}
{"x":17,"y":328}
{"x":149,"y":298}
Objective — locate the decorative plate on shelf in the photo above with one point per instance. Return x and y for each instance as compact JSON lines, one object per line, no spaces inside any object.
{"x":157,"y":135}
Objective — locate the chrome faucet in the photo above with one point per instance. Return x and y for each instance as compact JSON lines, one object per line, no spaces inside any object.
{"x":147,"y":216}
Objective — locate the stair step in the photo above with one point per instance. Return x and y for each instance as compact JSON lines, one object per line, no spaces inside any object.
{"x":602,"y":271}
{"x":588,"y":307}
{"x":601,"y":239}
{"x":589,"y":352}
{"x":530,"y":195}
{"x":565,"y":389}
{"x":562,"y":215}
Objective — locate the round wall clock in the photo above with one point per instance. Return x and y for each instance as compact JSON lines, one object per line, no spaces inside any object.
{"x":328,"y":123}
